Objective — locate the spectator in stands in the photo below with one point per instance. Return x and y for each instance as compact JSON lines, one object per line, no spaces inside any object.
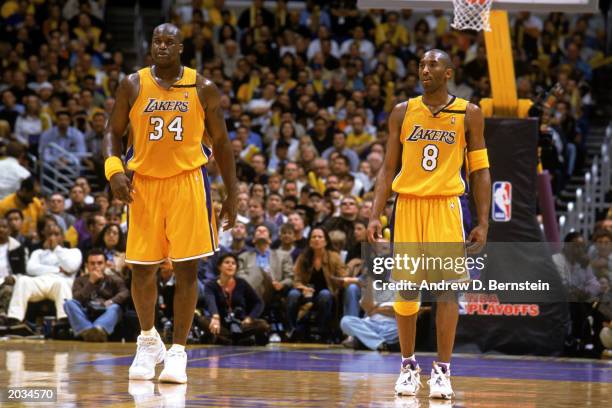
{"x":25,"y":199}
{"x":601,"y":254}
{"x":256,"y":215}
{"x":14,"y":218}
{"x":10,"y":109}
{"x":97,"y":297}
{"x":50,"y":274}
{"x":238,"y":245}
{"x":340,"y":146}
{"x":346,"y":221}
{"x":32,"y":123}
{"x":377,"y":330}
{"x":111,"y":241}
{"x":12,"y":170}
{"x":93,"y":142}
{"x":274,"y":209}
{"x":234,"y":307}
{"x":86,"y":187}
{"x":582,"y":286}
{"x":13,"y":257}
{"x":55,"y":203}
{"x":95,"y":225}
{"x":319,"y":276}
{"x":268,"y":271}
{"x":65,"y":136}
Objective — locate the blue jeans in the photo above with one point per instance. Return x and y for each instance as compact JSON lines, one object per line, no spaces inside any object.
{"x":79,"y":321}
{"x":323,"y":303}
{"x":372,"y":332}
{"x":352,"y":294}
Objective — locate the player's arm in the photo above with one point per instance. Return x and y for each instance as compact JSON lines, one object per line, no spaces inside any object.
{"x":215,"y":126}
{"x":480,"y":177}
{"x":111,"y":144}
{"x":387,"y":172}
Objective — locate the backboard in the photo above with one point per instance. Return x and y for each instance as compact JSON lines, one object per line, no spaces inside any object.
{"x":567,"y":6}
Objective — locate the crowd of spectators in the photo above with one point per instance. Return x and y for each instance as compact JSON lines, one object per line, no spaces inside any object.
{"x":306,"y":94}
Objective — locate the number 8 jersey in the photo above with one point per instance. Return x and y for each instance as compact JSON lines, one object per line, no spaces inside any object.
{"x":167,"y":127}
{"x":433,"y":149}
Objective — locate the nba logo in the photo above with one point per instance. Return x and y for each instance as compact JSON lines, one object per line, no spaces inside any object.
{"x":502,"y":201}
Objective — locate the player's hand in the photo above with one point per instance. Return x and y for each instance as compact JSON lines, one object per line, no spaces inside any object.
{"x":374,"y":230}
{"x":122,"y":187}
{"x":477,"y":239}
{"x":229,"y":211}
{"x":214,"y":326}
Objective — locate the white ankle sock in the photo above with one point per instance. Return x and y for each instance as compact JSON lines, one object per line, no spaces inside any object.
{"x":150,"y":332}
{"x":177,"y":347}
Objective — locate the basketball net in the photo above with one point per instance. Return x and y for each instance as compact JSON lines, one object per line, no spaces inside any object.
{"x":472,"y":15}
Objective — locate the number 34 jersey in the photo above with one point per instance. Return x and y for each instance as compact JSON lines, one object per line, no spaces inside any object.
{"x":433,"y":150}
{"x":167,"y":127}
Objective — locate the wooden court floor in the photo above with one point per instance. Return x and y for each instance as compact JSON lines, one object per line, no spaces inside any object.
{"x":95,"y":375}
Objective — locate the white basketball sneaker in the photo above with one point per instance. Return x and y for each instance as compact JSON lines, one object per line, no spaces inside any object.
{"x":409,"y":380}
{"x":439,"y":383}
{"x":150,"y":351}
{"x":175,"y":367}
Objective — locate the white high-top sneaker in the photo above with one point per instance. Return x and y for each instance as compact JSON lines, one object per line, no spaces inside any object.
{"x":175,"y":366}
{"x":150,"y":351}
{"x":439,"y":383}
{"x":409,"y":380}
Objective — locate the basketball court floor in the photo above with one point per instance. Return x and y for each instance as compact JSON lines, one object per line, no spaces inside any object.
{"x":95,"y":375}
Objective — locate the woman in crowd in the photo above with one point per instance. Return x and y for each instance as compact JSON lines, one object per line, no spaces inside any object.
{"x":112,"y":241}
{"x":319,"y":276}
{"x":234,"y":308}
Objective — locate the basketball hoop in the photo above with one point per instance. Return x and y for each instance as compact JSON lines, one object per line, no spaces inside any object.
{"x":472,"y":15}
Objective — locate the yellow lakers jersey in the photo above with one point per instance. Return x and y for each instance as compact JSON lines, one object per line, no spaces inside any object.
{"x":433,"y":149}
{"x":167,"y":127}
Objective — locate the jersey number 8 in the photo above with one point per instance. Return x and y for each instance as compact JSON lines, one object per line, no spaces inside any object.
{"x":430,"y":157}
{"x":176,"y":126}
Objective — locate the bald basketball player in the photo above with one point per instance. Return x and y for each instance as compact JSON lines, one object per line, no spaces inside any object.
{"x":428,"y":136}
{"x":169,"y":108}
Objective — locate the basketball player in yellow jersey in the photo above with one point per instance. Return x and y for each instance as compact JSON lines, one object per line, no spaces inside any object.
{"x":428,"y":136}
{"x":169,"y":109}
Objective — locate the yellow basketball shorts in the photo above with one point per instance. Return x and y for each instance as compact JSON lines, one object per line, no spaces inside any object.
{"x":429,"y":228}
{"x":171,"y":218}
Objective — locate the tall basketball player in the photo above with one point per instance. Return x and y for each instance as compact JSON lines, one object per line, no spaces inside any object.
{"x":169,"y":108}
{"x":428,"y":136}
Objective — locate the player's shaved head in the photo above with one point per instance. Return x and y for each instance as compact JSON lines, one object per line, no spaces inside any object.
{"x":441,"y":56}
{"x":168,"y":29}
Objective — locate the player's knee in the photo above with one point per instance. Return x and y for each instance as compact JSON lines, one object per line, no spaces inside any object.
{"x":405,"y":308}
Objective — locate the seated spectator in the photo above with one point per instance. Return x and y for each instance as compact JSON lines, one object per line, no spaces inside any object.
{"x":32,"y":123}
{"x":95,"y":307}
{"x":346,"y":221}
{"x":319,"y":276}
{"x":87,"y":197}
{"x":268,"y":271}
{"x":10,"y":109}
{"x":12,"y":171}
{"x":601,"y":254}
{"x":274,"y":212}
{"x":12,"y":263}
{"x":25,"y":199}
{"x":111,"y":241}
{"x":582,"y":287}
{"x":234,"y":308}
{"x":339,"y":145}
{"x":50,"y":274}
{"x":603,"y":318}
{"x":95,"y":224}
{"x":287,"y":240}
{"x":55,"y":203}
{"x":65,"y":136}
{"x":256,"y":214}
{"x":15,"y":222}
{"x":377,"y":330}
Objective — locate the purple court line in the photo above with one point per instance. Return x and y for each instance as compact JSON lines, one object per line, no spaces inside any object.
{"x":485,"y":366}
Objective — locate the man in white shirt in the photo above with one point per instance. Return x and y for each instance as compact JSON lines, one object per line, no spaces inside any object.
{"x":50,"y":273}
{"x":12,"y":173}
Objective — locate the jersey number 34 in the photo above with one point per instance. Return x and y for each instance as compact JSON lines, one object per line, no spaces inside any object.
{"x":175,"y":126}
